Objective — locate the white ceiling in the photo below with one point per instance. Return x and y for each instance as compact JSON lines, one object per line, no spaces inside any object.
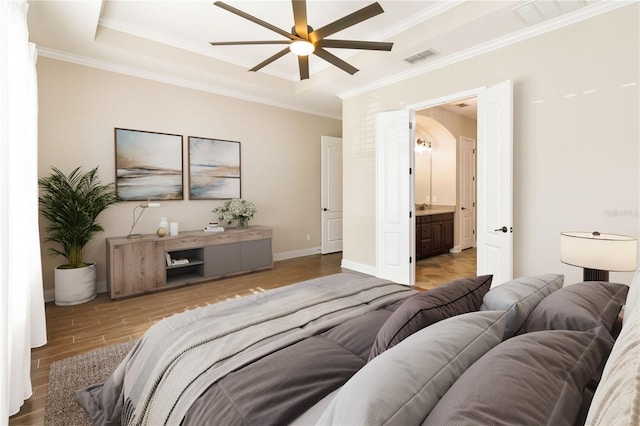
{"x":169,"y":41}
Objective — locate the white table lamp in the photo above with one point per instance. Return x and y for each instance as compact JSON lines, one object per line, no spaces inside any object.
{"x":598,"y":253}
{"x":142,"y":206}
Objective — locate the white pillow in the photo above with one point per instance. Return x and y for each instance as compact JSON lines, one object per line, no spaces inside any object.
{"x":633,"y":298}
{"x":615,"y":401}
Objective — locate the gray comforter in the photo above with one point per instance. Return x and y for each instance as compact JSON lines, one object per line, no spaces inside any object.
{"x":186,"y":367}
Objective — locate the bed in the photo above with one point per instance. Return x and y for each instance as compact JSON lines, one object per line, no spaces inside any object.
{"x":353,"y":349}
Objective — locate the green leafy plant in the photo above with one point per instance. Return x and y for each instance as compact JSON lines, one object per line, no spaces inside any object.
{"x":71,"y":204}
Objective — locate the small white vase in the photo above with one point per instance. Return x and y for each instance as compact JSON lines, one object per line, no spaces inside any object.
{"x":75,"y":286}
{"x":163,"y":227}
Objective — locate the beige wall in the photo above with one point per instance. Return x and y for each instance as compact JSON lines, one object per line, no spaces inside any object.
{"x":576,"y":138}
{"x":280,"y":151}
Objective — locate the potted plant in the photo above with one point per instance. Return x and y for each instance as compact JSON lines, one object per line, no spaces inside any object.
{"x":236,"y":210}
{"x":71,"y":204}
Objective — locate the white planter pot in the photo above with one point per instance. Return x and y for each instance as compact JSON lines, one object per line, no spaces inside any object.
{"x":75,"y":286}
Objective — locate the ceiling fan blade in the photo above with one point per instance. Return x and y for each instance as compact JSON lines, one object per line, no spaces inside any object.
{"x":334,"y":60}
{"x":300,"y":18}
{"x":346,"y":21}
{"x":270,"y":59}
{"x":255,"y":20}
{"x":239,"y":43}
{"x":303,"y":64}
{"x":354,"y":44}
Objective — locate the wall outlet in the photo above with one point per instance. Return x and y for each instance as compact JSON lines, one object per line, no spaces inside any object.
{"x":308,"y":237}
{"x":434,"y":199}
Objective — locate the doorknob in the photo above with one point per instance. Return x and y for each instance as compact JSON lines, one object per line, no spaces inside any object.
{"x":324,"y":209}
{"x":464,"y":208}
{"x":503,"y":229}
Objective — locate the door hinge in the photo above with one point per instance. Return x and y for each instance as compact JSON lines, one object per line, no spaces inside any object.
{"x":410,"y":125}
{"x":409,"y":260}
{"x":473,"y":232}
{"x":474,"y":151}
{"x":410,"y":171}
{"x":410,"y":213}
{"x":474,"y":204}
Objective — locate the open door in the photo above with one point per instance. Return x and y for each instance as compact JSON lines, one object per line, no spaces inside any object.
{"x":495,"y":182}
{"x":331,"y":189}
{"x":467,"y":191}
{"x":395,"y":221}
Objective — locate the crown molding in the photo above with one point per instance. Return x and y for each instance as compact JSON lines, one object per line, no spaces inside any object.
{"x":167,"y":79}
{"x":565,"y":20}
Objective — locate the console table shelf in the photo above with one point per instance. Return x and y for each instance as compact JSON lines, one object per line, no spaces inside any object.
{"x":141,"y":265}
{"x":185,"y":265}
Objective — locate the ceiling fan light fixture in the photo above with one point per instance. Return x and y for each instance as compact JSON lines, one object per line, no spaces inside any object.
{"x":304,"y":40}
{"x":302,"y":47}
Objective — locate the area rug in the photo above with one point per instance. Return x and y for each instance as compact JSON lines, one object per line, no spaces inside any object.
{"x":70,"y":374}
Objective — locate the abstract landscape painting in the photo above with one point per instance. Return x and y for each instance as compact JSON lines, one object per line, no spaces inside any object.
{"x":148,"y":165}
{"x":214,"y":169}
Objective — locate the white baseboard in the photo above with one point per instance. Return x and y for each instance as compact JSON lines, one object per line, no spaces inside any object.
{"x":49,"y":295}
{"x":295,"y":253}
{"x":101,"y":286}
{"x":358,"y":267}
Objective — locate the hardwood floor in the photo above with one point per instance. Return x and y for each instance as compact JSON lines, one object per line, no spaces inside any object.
{"x":441,"y":269}
{"x":77,"y":329}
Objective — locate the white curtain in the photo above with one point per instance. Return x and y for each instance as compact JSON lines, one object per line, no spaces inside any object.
{"x":22,"y":319}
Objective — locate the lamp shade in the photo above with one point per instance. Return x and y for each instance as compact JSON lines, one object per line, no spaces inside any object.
{"x":593,"y":250}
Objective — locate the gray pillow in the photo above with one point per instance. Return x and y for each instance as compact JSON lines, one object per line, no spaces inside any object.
{"x":532,"y":379}
{"x":425,"y":308}
{"x":519,"y":297}
{"x":401,"y":385}
{"x":584,"y":306}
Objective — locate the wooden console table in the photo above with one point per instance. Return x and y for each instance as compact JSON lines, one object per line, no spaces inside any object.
{"x":140,"y":265}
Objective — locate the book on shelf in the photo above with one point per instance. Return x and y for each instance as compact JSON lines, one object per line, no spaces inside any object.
{"x":173,"y":262}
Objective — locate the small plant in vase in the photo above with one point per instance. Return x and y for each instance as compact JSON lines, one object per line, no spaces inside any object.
{"x":236,"y":211}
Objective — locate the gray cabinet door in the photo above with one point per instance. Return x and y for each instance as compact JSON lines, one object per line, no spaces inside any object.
{"x":223,"y":259}
{"x":255,"y":254}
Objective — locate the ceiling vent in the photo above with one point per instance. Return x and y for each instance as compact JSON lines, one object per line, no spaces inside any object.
{"x":537,"y":11}
{"x":419,"y":56}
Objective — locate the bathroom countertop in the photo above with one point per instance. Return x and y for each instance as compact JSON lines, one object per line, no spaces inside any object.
{"x":430,"y":210}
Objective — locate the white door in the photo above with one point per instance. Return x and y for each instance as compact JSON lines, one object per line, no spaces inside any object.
{"x":467,"y":181}
{"x":395,"y":221}
{"x":331,"y":189}
{"x":495,"y":185}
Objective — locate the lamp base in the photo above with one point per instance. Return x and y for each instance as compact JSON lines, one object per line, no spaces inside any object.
{"x":595,"y":275}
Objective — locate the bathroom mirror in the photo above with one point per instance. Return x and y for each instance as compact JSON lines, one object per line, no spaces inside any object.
{"x":423,"y":172}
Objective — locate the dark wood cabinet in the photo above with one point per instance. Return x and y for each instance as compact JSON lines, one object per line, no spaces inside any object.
{"x":434,"y":234}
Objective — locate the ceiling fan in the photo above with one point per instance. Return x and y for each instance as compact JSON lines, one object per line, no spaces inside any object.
{"x":304,"y":40}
